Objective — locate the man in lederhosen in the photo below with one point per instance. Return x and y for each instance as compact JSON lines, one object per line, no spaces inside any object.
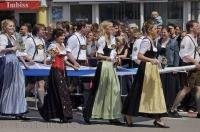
{"x":76,"y":48}
{"x":35,"y":48}
{"x":189,"y":53}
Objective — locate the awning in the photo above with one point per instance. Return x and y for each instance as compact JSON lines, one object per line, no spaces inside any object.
{"x":19,"y":4}
{"x":99,"y":1}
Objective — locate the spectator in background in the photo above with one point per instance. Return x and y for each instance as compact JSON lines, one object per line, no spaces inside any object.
{"x":178,"y":30}
{"x":135,"y":48}
{"x":91,"y":49}
{"x":172,"y":31}
{"x":25,"y":31}
{"x":95,"y":30}
{"x":168,"y":55}
{"x":116,"y":31}
{"x":156,"y":18}
{"x":132,"y":28}
{"x":159,"y":28}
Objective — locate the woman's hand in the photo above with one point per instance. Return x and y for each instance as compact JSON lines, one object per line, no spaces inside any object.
{"x":154,"y":61}
{"x":108,"y":59}
{"x":14,"y":48}
{"x":75,"y":67}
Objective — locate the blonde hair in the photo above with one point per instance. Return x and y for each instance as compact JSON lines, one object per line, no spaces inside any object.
{"x":4,"y":24}
{"x":148,"y":25}
{"x":103,"y":28}
{"x":121,"y":39}
{"x":136,"y":33}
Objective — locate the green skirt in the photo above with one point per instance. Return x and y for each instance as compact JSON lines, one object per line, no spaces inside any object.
{"x":107,"y":102}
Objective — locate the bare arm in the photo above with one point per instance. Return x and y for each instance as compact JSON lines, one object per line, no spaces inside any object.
{"x":23,"y":61}
{"x":124,"y":56}
{"x":102,"y":57}
{"x":72,"y":59}
{"x":3,"y":51}
{"x":71,"y":65}
{"x":147,"y":59}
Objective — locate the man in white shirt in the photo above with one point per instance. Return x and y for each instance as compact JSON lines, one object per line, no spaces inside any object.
{"x":25,"y":31}
{"x":35,"y":48}
{"x":190,"y":56}
{"x":76,"y":45}
{"x":135,"y":50}
{"x":76,"y":50}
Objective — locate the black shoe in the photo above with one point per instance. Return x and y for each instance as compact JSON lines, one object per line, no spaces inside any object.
{"x":87,"y":121}
{"x":128,"y":124}
{"x":174,"y":114}
{"x":65,"y":120}
{"x":198,"y":115}
{"x":160,"y":125}
{"x":115,"y":122}
{"x":22,"y":118}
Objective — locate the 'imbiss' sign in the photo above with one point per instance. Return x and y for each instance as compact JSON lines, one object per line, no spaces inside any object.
{"x":19,"y":4}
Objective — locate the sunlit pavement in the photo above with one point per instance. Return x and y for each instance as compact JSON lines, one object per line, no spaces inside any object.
{"x":36,"y":124}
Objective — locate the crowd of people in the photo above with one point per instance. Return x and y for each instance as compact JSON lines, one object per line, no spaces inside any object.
{"x":105,"y":46}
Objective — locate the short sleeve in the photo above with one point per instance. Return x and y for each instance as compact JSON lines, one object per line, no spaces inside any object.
{"x":100,"y":45}
{"x":29,"y":46}
{"x":71,"y":43}
{"x":3,"y":41}
{"x":136,"y":48}
{"x":144,"y":46}
{"x":51,"y":46}
{"x":184,"y":46}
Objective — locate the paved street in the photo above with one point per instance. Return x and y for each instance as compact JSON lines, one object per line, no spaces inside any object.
{"x":36,"y":124}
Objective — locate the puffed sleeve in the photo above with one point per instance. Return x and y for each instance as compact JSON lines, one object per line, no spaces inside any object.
{"x":113,"y":54}
{"x":51,"y":46}
{"x":113,"y":41}
{"x":100,"y":45}
{"x":3,"y":41}
{"x":144,"y":46}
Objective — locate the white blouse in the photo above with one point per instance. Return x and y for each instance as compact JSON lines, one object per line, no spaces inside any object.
{"x":4,"y":42}
{"x":146,"y":46}
{"x":54,"y":46}
{"x":101,"y":43}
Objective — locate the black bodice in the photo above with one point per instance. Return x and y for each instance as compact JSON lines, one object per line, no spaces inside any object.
{"x":107,"y":50}
{"x":150,"y":53}
{"x":9,"y":46}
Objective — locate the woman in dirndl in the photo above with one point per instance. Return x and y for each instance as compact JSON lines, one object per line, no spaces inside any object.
{"x":146,"y":97}
{"x":104,"y":101}
{"x":57,"y":103}
{"x":12,"y":98}
{"x":2,"y":65}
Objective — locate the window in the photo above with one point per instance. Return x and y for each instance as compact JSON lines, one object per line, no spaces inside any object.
{"x":195,"y":8}
{"x":57,"y":13}
{"x":175,"y":10}
{"x":132,"y":11}
{"x":161,"y":8}
{"x":81,"y":13}
{"x":127,"y":12}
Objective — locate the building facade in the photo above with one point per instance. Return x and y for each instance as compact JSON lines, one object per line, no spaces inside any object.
{"x":172,"y":11}
{"x":95,"y":11}
{"x":22,"y":11}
